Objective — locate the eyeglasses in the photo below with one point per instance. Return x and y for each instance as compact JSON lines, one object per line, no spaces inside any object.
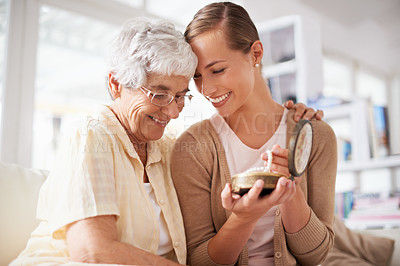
{"x":164,"y":99}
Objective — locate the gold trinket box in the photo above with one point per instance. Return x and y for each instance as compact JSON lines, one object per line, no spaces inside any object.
{"x":300,"y":144}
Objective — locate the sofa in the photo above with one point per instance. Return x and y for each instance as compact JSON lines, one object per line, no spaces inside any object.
{"x":19,"y":189}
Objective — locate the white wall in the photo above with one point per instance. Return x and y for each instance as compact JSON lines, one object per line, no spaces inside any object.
{"x":359,"y":34}
{"x":394,"y":114}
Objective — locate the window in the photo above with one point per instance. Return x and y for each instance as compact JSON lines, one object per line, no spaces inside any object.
{"x":3,"y":26}
{"x":71,"y":80}
{"x":70,"y":77}
{"x":133,"y":3}
{"x":337,"y":79}
{"x":372,"y":87}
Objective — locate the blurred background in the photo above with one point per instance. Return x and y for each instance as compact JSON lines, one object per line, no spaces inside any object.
{"x":339,"y":56}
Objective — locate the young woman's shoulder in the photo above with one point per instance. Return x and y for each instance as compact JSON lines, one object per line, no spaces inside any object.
{"x":199,"y":140}
{"x":323,"y":131}
{"x":199,"y":131}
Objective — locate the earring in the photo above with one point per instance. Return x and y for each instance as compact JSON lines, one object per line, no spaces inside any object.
{"x":257,"y":65}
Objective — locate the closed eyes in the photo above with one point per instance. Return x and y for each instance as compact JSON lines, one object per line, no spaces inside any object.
{"x":219,"y":71}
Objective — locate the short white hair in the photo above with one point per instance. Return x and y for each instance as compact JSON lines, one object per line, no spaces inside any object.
{"x":146,"y":46}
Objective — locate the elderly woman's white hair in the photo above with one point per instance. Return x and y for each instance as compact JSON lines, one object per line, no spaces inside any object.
{"x":144,"y":47}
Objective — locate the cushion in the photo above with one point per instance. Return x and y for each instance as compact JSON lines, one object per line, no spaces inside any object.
{"x":355,"y":248}
{"x":19,"y":191}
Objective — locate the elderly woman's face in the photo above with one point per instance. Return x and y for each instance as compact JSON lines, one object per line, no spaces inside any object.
{"x":145,"y":120}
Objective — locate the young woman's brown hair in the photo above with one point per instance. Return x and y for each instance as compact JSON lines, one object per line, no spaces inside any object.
{"x":233,"y":20}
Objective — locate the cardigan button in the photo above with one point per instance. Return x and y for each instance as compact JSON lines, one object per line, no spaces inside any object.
{"x":177,"y":244}
{"x":278,"y":255}
{"x":161,"y":202}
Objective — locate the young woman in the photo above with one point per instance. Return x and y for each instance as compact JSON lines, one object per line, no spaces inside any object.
{"x":292,"y":225}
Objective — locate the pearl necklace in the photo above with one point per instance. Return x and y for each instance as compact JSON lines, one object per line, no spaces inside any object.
{"x":262,"y":168}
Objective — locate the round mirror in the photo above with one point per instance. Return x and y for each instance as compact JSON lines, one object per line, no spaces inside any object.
{"x":300,"y":144}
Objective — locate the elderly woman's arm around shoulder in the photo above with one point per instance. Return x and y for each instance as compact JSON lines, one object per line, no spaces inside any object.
{"x":94,"y":240}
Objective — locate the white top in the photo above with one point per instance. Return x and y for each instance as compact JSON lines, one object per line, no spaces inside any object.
{"x":240,"y":157}
{"x":165,"y":242}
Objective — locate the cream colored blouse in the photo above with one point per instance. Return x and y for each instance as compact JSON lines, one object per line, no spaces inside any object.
{"x":98,"y":172}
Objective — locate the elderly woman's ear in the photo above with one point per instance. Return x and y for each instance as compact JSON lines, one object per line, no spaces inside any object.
{"x":114,"y":86}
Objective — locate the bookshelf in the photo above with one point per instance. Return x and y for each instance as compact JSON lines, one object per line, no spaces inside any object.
{"x":384,"y":162}
{"x":375,"y":210}
{"x":292,"y":65}
{"x":292,"y":62}
{"x":363,"y":157}
{"x":357,"y":114}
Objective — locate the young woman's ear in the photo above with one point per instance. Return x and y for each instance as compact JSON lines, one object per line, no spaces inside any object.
{"x":114,"y":86}
{"x":257,"y":52}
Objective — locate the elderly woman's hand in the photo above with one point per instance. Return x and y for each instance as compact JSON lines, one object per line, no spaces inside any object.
{"x":95,"y":240}
{"x":304,"y":112}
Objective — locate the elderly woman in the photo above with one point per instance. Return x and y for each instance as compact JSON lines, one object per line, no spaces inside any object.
{"x":110,"y":198}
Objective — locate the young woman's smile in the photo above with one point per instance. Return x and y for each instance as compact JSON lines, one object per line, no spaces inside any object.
{"x":220,"y":75}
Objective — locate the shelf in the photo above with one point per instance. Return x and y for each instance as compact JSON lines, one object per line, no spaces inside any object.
{"x":384,"y":162}
{"x":292,"y":60}
{"x":280,"y":69}
{"x":371,"y":223}
{"x":338,"y":111}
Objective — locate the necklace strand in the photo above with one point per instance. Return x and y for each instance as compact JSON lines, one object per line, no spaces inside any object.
{"x":262,"y":168}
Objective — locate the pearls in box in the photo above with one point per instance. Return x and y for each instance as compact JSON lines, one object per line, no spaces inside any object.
{"x":262,"y":168}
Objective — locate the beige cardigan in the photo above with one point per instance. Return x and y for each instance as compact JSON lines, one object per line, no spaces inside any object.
{"x":200,"y":172}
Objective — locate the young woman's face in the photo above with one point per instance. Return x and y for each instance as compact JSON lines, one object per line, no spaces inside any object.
{"x":224,"y":76}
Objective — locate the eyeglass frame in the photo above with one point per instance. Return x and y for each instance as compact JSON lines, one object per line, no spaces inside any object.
{"x":150,"y":95}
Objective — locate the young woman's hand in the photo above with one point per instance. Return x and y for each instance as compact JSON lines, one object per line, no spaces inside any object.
{"x":304,"y":112}
{"x":250,"y":207}
{"x":280,"y":162}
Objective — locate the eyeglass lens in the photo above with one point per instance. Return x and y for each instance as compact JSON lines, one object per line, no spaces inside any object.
{"x":163,"y":99}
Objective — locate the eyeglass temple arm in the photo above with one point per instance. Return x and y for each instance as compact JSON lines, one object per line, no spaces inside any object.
{"x":146,"y":91}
